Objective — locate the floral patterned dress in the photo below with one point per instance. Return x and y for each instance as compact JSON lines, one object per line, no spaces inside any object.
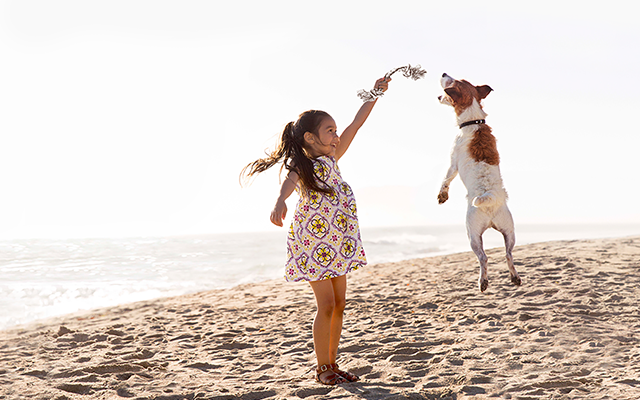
{"x":324,"y":239}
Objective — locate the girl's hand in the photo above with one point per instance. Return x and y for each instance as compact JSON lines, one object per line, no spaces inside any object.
{"x":279,"y":213}
{"x":382,"y":84}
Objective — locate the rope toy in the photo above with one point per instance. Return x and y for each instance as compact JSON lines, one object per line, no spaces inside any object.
{"x":408,"y":71}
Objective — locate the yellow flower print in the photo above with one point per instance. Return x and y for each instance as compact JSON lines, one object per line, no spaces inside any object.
{"x":318,"y":226}
{"x":321,"y":170}
{"x":333,"y":198}
{"x":315,"y":199}
{"x":325,"y":239}
{"x":348,"y":248}
{"x":340,"y":221}
{"x":324,"y":255}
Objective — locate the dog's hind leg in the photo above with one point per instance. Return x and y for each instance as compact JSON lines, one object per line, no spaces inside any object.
{"x":509,"y":243}
{"x":504,"y":223}
{"x":476,"y":246}
{"x":477,"y":223}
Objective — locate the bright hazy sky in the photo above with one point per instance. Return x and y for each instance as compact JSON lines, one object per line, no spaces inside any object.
{"x":134,"y":117}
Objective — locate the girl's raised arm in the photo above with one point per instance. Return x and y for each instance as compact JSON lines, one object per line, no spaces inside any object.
{"x":350,"y":131}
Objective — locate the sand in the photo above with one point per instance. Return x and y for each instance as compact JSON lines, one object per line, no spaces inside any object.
{"x":417,"y":329}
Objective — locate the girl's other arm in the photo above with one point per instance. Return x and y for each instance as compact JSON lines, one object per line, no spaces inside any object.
{"x":280,"y":210}
{"x":350,"y":132}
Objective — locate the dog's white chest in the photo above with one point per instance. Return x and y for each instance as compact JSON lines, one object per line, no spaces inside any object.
{"x":477,"y":177}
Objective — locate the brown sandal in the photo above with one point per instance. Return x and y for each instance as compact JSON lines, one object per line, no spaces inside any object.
{"x":332,"y":379}
{"x":345,"y":374}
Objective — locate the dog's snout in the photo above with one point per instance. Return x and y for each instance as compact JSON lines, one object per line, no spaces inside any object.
{"x":446,"y":80}
{"x":440,"y":98}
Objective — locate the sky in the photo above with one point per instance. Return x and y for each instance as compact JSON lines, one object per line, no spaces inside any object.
{"x":127,"y":118}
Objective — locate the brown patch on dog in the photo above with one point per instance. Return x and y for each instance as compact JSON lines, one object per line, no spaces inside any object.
{"x":483,"y":146}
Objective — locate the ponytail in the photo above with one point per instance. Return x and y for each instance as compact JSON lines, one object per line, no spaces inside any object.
{"x":290,"y":151}
{"x":280,"y":153}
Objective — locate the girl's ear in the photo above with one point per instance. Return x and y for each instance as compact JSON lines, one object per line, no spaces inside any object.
{"x":309,"y":137}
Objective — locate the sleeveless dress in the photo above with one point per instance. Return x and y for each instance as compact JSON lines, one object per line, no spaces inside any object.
{"x":324,"y":239}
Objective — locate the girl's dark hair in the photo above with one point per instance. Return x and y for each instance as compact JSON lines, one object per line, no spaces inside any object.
{"x":290,"y":151}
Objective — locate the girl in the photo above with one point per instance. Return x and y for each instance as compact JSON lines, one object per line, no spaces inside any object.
{"x":324,"y":239}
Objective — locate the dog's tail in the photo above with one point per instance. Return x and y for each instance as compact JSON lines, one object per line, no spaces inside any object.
{"x":486,"y":200}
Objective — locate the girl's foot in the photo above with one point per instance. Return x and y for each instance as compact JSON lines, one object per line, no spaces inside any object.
{"x":348,"y":376}
{"x":326,"y":376}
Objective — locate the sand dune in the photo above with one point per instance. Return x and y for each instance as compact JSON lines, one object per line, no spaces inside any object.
{"x":417,"y":329}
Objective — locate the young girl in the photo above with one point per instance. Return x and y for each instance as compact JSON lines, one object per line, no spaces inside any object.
{"x":324,"y":239}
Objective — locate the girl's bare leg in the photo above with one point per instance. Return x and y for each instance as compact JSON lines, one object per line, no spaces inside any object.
{"x":323,"y":325}
{"x":339,"y":297}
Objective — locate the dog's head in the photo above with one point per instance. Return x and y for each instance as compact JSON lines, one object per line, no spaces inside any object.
{"x":460,"y":94}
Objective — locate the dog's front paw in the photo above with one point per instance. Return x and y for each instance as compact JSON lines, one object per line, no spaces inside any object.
{"x":442,"y":197}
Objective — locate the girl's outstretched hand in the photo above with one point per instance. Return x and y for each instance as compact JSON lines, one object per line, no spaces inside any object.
{"x":382,"y":84}
{"x":279,"y":213}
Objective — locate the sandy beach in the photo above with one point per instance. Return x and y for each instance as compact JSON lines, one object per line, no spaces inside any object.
{"x":417,"y":329}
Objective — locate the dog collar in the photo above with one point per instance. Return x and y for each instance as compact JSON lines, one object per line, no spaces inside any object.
{"x":476,"y":122}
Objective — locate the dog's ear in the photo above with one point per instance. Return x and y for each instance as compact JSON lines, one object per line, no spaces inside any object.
{"x":483,"y":91}
{"x":454,"y":93}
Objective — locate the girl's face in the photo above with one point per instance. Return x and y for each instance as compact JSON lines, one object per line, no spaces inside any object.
{"x":326,"y":141}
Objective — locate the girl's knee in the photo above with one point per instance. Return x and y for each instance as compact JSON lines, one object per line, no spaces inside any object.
{"x":326,"y":306}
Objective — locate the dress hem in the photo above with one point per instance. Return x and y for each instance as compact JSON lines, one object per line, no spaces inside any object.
{"x":303,"y":279}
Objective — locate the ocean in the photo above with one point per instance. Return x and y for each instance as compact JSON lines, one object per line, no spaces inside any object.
{"x":41,"y":278}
